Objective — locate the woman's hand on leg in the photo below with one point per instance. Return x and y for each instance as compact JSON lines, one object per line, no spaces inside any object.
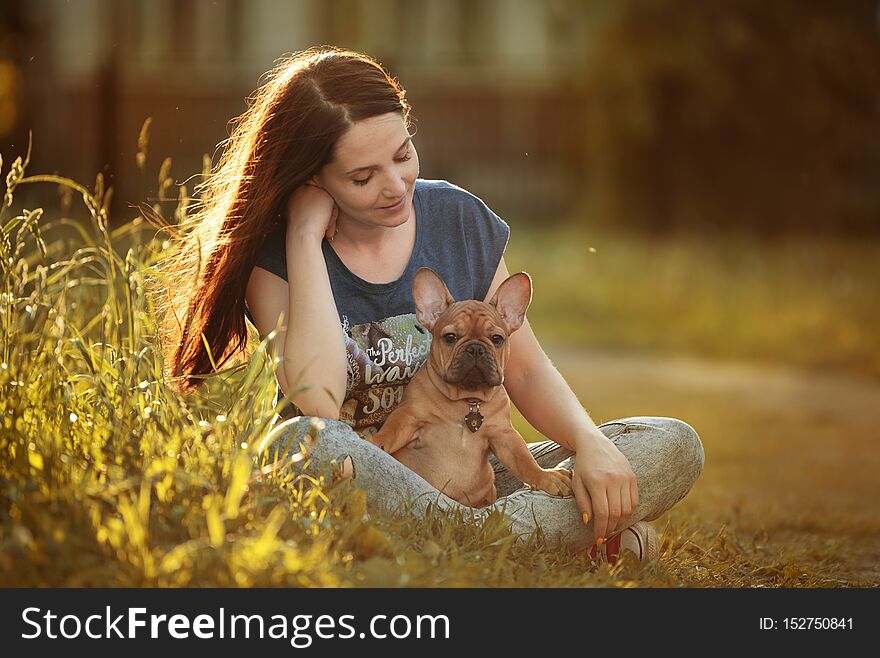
{"x":604,"y":486}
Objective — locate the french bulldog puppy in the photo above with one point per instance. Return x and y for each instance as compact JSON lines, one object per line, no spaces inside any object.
{"x":455,"y":410}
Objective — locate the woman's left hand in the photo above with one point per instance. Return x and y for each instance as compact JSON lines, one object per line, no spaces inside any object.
{"x":604,"y":485}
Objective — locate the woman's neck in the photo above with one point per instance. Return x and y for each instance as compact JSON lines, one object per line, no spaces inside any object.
{"x":357,"y":237}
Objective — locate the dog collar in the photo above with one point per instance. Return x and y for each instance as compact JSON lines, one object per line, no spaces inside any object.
{"x":474,"y":418}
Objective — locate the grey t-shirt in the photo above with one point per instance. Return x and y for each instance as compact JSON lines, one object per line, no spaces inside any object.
{"x":457,"y":236}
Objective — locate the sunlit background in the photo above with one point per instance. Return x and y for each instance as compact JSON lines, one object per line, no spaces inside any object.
{"x":647,"y":114}
{"x":693,"y":186}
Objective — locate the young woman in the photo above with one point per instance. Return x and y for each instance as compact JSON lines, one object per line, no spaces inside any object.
{"x":317,"y":215}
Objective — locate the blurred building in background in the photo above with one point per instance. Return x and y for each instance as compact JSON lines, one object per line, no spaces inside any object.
{"x":493,"y":84}
{"x":660,"y":115}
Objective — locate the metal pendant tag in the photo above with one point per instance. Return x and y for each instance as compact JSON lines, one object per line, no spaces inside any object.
{"x":473,"y":420}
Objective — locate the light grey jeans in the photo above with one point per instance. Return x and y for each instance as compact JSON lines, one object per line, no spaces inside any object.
{"x":665,"y":454}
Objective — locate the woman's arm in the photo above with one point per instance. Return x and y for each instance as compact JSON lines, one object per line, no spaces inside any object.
{"x":603,"y":481}
{"x":539,"y":391}
{"x":314,"y":347}
{"x":311,"y":343}
{"x":304,"y":337}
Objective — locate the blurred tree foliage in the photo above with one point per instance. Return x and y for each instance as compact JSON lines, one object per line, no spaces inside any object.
{"x":746,"y":113}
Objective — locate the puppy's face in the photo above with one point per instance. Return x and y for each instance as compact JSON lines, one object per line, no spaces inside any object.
{"x":470,"y":339}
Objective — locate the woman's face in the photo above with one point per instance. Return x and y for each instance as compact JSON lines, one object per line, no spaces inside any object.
{"x":375,"y":166}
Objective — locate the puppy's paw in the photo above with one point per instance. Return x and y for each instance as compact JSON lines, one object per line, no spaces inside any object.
{"x":376,"y":439}
{"x":556,"y":481}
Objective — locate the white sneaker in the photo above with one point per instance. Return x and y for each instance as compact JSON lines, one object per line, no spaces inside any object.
{"x":640,"y":538}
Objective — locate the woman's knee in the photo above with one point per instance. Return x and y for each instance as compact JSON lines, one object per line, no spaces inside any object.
{"x":682,"y":439}
{"x":685,"y":448}
{"x":687,"y":457}
{"x":295,"y":433}
{"x":690,"y":446}
{"x":686,"y":440}
{"x":667,"y":457}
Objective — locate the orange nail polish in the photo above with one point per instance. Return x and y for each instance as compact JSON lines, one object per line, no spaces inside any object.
{"x":586,"y":518}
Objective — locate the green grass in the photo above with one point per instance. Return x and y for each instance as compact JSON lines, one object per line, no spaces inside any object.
{"x":809,"y":301}
{"x":110,"y":478}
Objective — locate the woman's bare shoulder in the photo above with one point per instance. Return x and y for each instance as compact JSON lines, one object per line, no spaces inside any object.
{"x":266,"y":296}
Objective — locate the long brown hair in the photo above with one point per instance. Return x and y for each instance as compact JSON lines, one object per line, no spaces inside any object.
{"x":287,"y":134}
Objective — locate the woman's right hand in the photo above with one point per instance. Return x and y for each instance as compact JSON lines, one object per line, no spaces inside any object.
{"x":311,"y":211}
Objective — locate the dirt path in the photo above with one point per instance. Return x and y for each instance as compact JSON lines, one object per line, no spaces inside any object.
{"x":792,"y":456}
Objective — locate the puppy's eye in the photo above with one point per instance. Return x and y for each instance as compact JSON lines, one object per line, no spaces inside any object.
{"x":497,"y":340}
{"x":450,"y":338}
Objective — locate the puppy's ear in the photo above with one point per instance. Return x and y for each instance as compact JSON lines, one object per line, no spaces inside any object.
{"x":431,"y":297}
{"x":512,"y":299}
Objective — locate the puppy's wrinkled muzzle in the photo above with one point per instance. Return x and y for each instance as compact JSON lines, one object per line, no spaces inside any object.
{"x":474,"y":368}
